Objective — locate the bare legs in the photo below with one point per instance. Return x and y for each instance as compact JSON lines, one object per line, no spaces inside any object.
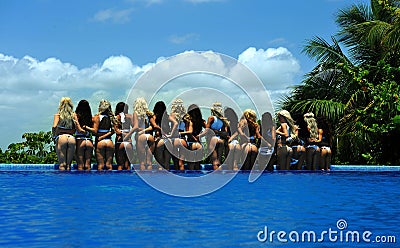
{"x":180,"y":146}
{"x":121,"y":151}
{"x":299,"y":153}
{"x":104,"y":154}
{"x":145,"y":147}
{"x":326,"y":155}
{"x":233,"y":158}
{"x":194,"y":156}
{"x":284,"y":154}
{"x":250,"y":153}
{"x":312,"y":157}
{"x":216,"y":145}
{"x":162,"y":154}
{"x":65,"y":149}
{"x":84,"y":151}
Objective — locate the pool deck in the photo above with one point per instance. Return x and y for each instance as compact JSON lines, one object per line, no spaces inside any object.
{"x":206,"y":167}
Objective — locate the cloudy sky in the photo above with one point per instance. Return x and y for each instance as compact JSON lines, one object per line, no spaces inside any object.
{"x":98,"y":49}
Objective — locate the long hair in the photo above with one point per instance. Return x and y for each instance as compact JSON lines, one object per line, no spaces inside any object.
{"x":232,"y":117}
{"x":289,"y":120}
{"x":216,"y":110}
{"x":312,"y":125}
{"x":162,"y":120}
{"x":105,"y":108}
{"x":84,"y":113}
{"x":251,"y":119}
{"x":267,"y":126}
{"x":160,"y":111}
{"x":326,"y":128}
{"x":178,"y":109}
{"x":196,"y":117}
{"x":121,"y":107}
{"x":65,"y":109}
{"x":267,"y":121}
{"x":141,"y":108}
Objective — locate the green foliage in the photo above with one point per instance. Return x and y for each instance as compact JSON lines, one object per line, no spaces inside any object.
{"x":359,"y":91}
{"x":38,"y":148}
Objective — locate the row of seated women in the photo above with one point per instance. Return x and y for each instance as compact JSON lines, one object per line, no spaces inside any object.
{"x":310,"y":142}
{"x":182,"y":136}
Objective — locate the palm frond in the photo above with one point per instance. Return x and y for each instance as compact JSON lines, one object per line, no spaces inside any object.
{"x":332,"y":110}
{"x":323,"y":52}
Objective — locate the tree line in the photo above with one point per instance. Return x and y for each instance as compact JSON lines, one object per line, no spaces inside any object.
{"x":355,"y":83}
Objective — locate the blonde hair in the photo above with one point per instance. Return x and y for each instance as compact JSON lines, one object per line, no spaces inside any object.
{"x":65,"y":109}
{"x":216,"y":110}
{"x":312,"y":125}
{"x":289,"y":120}
{"x":141,"y":108}
{"x":178,"y":109}
{"x":250,"y":116}
{"x":105,"y":107}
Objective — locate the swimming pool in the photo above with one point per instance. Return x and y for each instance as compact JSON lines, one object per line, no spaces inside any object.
{"x":46,"y":208}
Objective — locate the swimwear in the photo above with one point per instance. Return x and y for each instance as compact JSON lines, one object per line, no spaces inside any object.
{"x":217,"y":124}
{"x":104,"y":126}
{"x":265,"y":150}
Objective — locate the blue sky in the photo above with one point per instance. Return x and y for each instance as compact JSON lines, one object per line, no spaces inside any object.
{"x":97,"y":49}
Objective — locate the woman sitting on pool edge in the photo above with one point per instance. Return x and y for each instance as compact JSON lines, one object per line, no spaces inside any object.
{"x":123,"y":148}
{"x":84,"y":142}
{"x":145,"y":144}
{"x":249,"y":131}
{"x":104,"y":125}
{"x":284,"y":133}
{"x":196,"y":149}
{"x":234,"y":152}
{"x":63,"y":129}
{"x":313,"y":152}
{"x":216,"y":133}
{"x":162,"y":134}
{"x":184,"y":126}
{"x":324,"y":143}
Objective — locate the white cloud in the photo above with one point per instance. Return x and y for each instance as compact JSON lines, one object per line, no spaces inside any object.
{"x":276,"y":67}
{"x":176,"y":39}
{"x":30,"y":89}
{"x":116,"y":16}
{"x":278,"y":41}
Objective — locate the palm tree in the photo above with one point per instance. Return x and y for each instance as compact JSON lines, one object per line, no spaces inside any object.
{"x":340,"y":86}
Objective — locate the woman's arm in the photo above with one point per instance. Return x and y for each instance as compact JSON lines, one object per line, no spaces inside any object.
{"x":152,"y":121}
{"x":56,"y":120}
{"x":77,"y":125}
{"x":96,"y":122}
{"x":320,"y":134}
{"x":241,"y":125}
{"x":55,"y":123}
{"x":233,"y":136}
{"x":117,"y":130}
{"x":207,"y":129}
{"x":135,"y":127}
{"x":282,"y":130}
{"x":189,"y":129}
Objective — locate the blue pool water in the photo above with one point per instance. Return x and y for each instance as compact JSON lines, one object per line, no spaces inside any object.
{"x":112,"y":209}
